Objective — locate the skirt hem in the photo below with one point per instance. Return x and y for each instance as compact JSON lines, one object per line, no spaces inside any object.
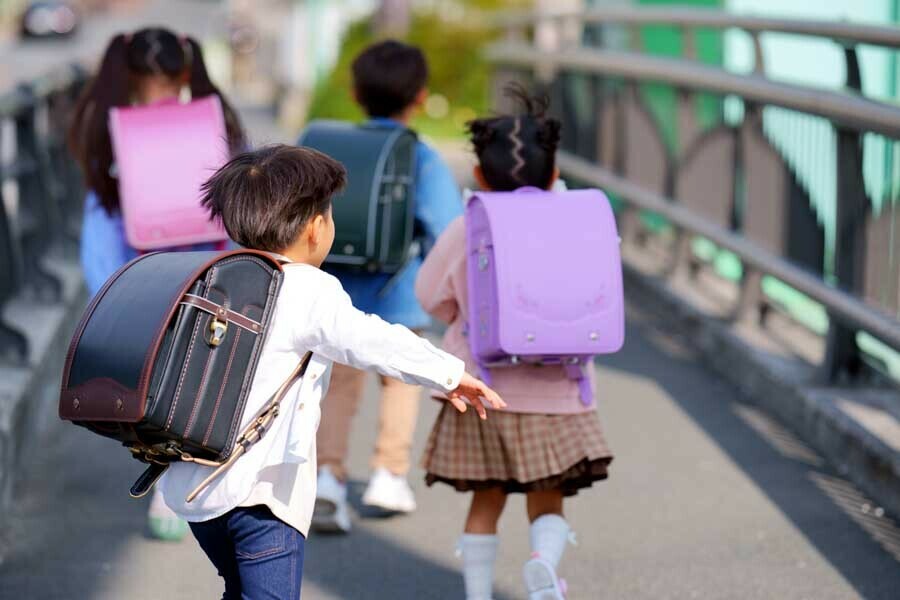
{"x":577,"y":477}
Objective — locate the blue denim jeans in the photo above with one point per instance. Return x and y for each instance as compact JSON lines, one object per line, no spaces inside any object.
{"x":258,"y":556}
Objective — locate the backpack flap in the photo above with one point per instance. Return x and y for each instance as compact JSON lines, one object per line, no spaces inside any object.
{"x":106,"y":375}
{"x":545,"y":276}
{"x":374,"y":214}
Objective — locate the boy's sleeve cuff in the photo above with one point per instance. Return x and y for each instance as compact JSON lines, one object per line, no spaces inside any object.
{"x":454,"y":375}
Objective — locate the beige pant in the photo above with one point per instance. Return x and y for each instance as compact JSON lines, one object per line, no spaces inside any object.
{"x":396,"y":422}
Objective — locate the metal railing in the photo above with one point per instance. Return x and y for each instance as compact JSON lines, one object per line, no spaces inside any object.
{"x":40,"y":196}
{"x":693,"y":18}
{"x":729,"y":183}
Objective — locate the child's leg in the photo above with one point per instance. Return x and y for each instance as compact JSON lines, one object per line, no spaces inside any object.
{"x":162,"y":522}
{"x":396,"y":425}
{"x":485,"y":510}
{"x":478,"y":544}
{"x":544,"y":502}
{"x":549,"y":534}
{"x":269,"y":554}
{"x":388,"y":488}
{"x":338,"y":409}
{"x":215,"y":540}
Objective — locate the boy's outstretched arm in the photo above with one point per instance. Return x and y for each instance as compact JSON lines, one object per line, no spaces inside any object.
{"x":337,"y":330}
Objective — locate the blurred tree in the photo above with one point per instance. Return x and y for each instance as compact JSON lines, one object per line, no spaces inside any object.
{"x":392,"y":18}
{"x":452,"y":34}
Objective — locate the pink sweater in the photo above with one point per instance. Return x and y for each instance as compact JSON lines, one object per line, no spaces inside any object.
{"x":441,"y":289}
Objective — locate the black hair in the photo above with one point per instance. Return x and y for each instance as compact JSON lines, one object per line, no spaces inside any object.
{"x":265,"y":197}
{"x":517,"y":150}
{"x":128,"y":57}
{"x":387,"y":77}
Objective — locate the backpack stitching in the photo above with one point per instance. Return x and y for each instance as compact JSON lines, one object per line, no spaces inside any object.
{"x":187,"y":360}
{"x":212,"y":420}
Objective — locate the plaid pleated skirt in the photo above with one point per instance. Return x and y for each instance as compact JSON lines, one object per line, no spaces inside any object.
{"x":516,"y":451}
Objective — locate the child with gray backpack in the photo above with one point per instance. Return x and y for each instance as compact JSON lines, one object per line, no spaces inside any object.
{"x":517,"y":312}
{"x":400,"y":196}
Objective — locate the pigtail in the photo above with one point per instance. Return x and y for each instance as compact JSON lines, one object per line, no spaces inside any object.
{"x":201,"y":85}
{"x":481,"y":132}
{"x":88,"y":136}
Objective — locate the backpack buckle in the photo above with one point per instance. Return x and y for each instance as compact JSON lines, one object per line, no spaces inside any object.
{"x":217,"y":331}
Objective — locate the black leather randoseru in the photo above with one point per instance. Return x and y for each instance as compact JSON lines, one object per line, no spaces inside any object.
{"x":143,"y":367}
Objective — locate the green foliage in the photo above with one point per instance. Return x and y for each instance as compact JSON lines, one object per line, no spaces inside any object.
{"x":457,"y":71}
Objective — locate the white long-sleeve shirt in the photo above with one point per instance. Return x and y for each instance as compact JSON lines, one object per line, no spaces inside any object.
{"x":312,"y":313}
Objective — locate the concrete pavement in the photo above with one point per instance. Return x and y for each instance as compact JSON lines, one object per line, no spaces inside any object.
{"x":707,"y":499}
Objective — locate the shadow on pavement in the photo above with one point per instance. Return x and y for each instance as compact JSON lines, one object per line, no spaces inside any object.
{"x":72,"y":519}
{"x":799,"y":486}
{"x":380,"y":567}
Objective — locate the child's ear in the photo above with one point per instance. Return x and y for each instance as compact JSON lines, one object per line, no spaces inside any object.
{"x":479,"y":178}
{"x":316,"y":230}
{"x":553,"y":178}
{"x":421,"y":97}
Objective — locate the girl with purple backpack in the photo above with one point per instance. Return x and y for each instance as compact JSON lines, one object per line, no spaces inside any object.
{"x":548,"y":443}
{"x":150,"y":66}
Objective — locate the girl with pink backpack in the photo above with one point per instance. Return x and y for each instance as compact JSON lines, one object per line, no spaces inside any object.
{"x":151,"y":67}
{"x":548,"y":444}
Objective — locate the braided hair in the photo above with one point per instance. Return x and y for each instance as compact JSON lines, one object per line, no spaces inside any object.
{"x":147,"y":52}
{"x":517,"y":150}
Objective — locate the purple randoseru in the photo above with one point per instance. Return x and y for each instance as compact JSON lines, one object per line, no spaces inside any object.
{"x":545,"y":279}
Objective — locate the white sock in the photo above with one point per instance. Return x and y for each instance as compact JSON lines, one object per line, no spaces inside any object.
{"x":549,"y":535}
{"x":479,"y":553}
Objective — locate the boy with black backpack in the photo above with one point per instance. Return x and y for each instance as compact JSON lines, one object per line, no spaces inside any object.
{"x":400,"y":197}
{"x":252,"y":520}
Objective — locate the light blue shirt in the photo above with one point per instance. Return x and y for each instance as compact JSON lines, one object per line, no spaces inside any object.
{"x":438,"y":202}
{"x":104,"y":248}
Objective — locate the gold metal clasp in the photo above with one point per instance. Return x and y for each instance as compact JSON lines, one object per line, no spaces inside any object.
{"x":217,"y":330}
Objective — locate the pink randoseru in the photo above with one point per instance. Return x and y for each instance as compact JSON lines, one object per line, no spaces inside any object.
{"x":163,"y":153}
{"x":545,"y":277}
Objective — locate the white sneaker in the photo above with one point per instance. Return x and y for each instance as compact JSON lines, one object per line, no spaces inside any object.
{"x":541,"y":580}
{"x":331,"y":513}
{"x":389,"y":492}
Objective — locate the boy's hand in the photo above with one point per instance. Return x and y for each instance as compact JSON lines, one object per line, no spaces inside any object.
{"x":474,"y":390}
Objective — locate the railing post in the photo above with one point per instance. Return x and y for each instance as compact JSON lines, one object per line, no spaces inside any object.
{"x":37,"y":215}
{"x":68,"y":196}
{"x":13,"y":344}
{"x":842,"y":354}
{"x":751,"y":303}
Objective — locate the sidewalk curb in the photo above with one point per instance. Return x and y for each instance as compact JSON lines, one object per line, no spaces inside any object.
{"x":787,"y":391}
{"x":30,"y":393}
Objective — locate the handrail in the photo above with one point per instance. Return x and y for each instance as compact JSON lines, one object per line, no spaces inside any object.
{"x":48,"y":192}
{"x":850,"y":110}
{"x":843,"y":306}
{"x":18,"y":98}
{"x":852,"y":33}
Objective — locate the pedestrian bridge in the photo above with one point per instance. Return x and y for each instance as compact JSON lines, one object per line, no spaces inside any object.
{"x":753,"y":411}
